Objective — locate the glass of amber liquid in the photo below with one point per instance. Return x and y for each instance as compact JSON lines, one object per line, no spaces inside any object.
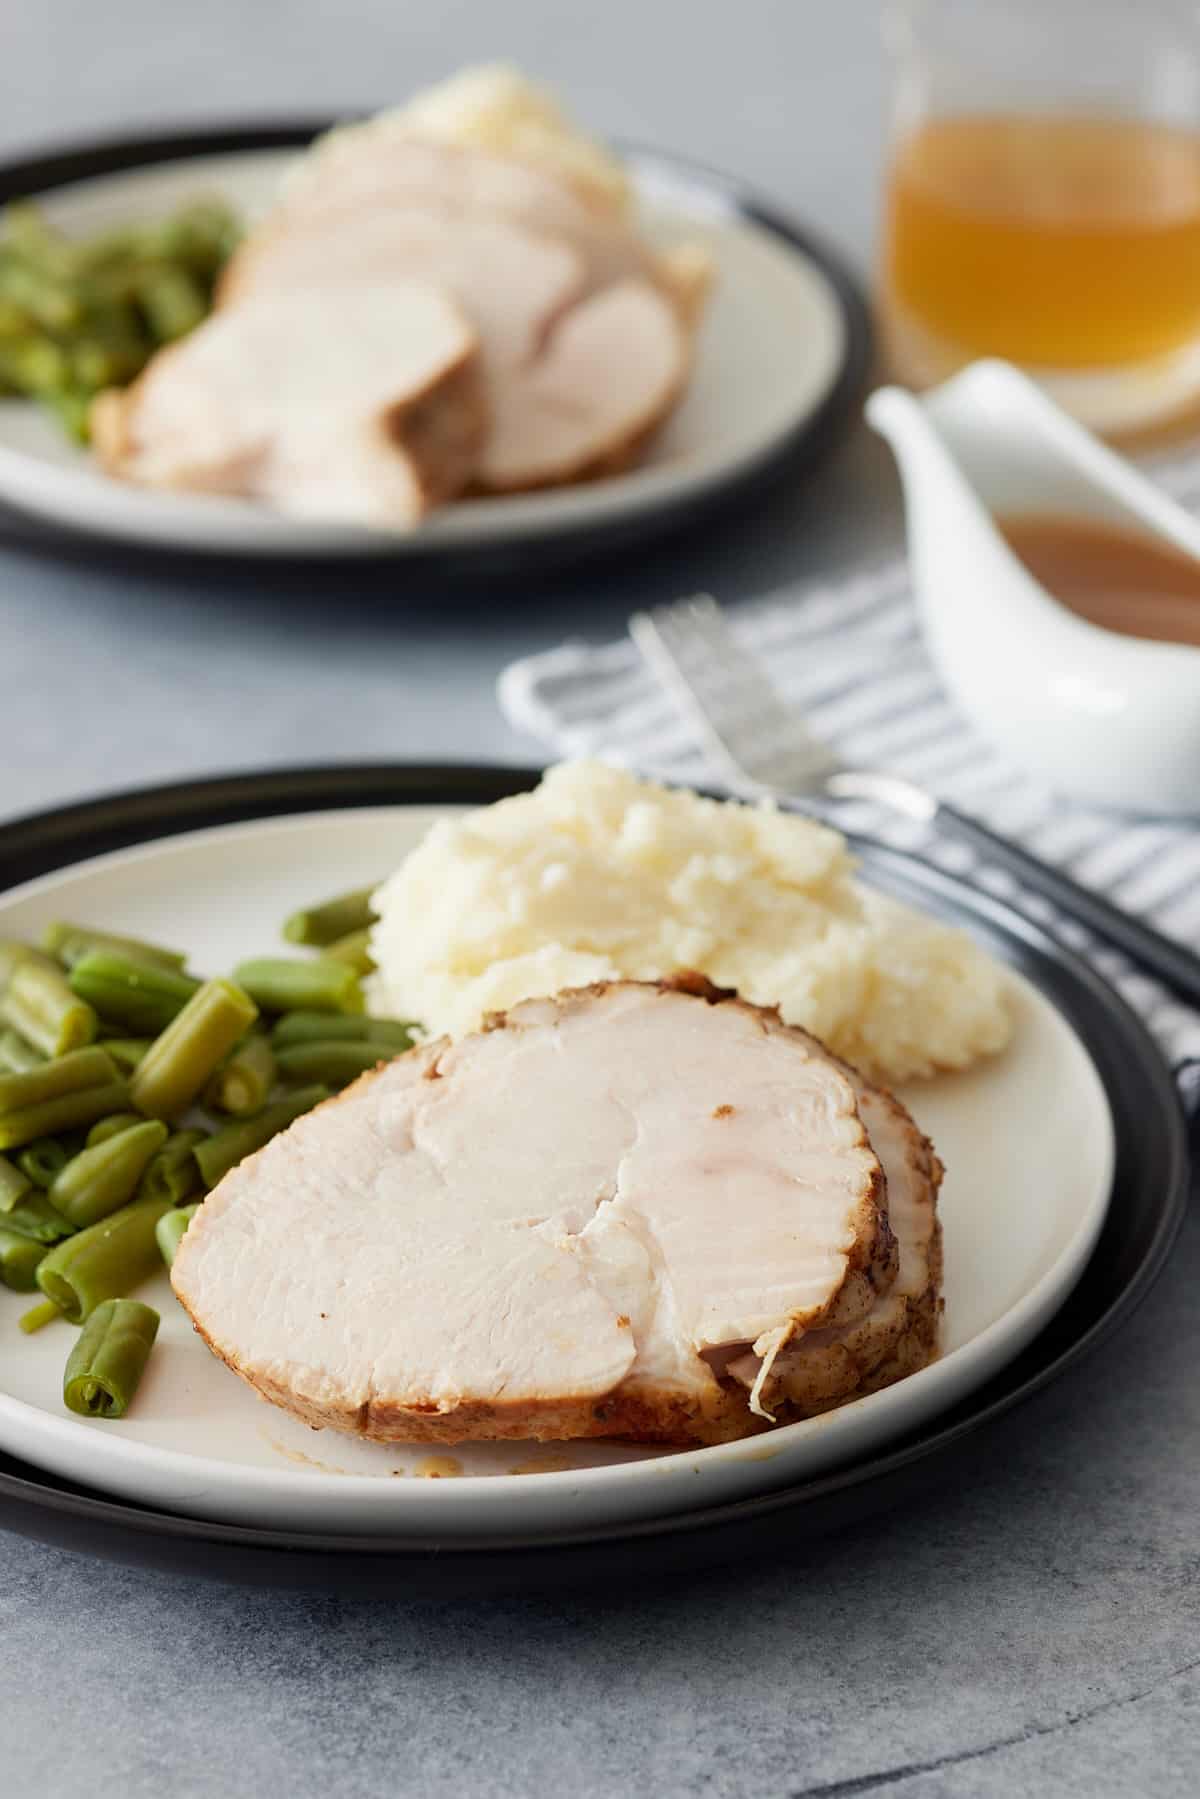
{"x":1043,"y":200}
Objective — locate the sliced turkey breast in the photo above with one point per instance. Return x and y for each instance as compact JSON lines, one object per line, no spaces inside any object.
{"x":611,"y":370}
{"x":510,"y":282}
{"x":385,"y":168}
{"x":364,"y":403}
{"x":898,"y":1334}
{"x":562,"y":1226}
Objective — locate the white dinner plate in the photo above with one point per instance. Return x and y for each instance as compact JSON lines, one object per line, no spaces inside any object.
{"x":1027,"y":1139}
{"x":779,"y":366}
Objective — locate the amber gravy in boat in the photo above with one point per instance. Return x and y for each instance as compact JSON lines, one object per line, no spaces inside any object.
{"x":1115,"y":578}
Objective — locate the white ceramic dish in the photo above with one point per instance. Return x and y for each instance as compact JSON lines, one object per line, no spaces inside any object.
{"x":1024,"y":1200}
{"x":1114,"y":719}
{"x":775,"y":344}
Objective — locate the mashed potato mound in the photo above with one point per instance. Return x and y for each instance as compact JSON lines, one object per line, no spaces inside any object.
{"x":597,"y":875}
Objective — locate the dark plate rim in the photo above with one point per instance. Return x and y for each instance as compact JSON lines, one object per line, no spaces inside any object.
{"x":807,"y":442}
{"x":45,"y":841}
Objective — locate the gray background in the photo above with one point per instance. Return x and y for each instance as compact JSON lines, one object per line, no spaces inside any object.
{"x":1032,"y":1629}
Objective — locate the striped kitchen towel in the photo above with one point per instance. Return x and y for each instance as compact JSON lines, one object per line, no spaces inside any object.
{"x":850,"y":655}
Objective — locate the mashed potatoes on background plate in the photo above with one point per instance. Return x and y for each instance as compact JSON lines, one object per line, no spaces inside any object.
{"x":598,"y":875}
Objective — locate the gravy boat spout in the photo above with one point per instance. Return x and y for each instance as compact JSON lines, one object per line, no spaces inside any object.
{"x":1111,"y":718}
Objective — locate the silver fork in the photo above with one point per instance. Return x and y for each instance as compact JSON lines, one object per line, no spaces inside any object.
{"x":762,"y":746}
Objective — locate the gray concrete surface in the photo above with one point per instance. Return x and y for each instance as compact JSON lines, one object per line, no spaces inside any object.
{"x":1033,"y":1629}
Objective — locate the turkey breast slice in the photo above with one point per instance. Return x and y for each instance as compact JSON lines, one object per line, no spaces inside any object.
{"x":512,"y":283}
{"x":561,"y":1226}
{"x":365,"y":404}
{"x":611,"y":370}
{"x":899,"y":1333}
{"x":386,"y":167}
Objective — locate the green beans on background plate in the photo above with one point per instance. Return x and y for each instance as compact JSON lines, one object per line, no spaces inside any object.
{"x":109,"y":1358}
{"x":328,"y":1027}
{"x":139,"y":996}
{"x":286,"y":984}
{"x":99,"y":1180}
{"x":40,"y":1006}
{"x":243,"y":1082}
{"x":112,"y":1126}
{"x":19,"y":1259}
{"x":231,"y":1145}
{"x":75,"y":1089}
{"x":104,"y":1261}
{"x":169,"y":1230}
{"x":180,"y":1062}
{"x":42,"y":1159}
{"x":174,"y":1173}
{"x":334,"y":1063}
{"x":320,"y":925}
{"x":34,"y":1216}
{"x":69,"y":943}
{"x":355,"y":949}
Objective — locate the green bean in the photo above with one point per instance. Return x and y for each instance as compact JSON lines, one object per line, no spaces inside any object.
{"x":323,"y":924}
{"x":279,"y":984}
{"x":37,"y":1316}
{"x":49,"y":1080}
{"x":170,"y":1228}
{"x":104,"y":1261}
{"x":337,"y":1064}
{"x":17,"y":1056}
{"x":100,"y":1180}
{"x":173,"y":1174}
{"x":172,"y":301}
{"x":226,"y":1148}
{"x":42,"y":1160}
{"x":138,"y":995}
{"x":178,"y":1064}
{"x":355,"y":949}
{"x":71,"y":942}
{"x":65,"y":1112}
{"x":14,"y":955}
{"x":327,"y":1027}
{"x":14,"y":1184}
{"x":126,"y":1052}
{"x":41,"y":1006}
{"x":243,"y":1082}
{"x":19,"y":1258}
{"x":112,"y":1126}
{"x":109,"y":1358}
{"x":34,"y":1216}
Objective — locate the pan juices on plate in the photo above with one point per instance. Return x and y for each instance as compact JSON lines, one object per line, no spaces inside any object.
{"x":632,"y":1203}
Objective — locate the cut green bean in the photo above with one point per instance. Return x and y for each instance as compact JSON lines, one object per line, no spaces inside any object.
{"x":226,"y":1148}
{"x":42,"y":1160}
{"x":71,"y":942}
{"x":327,"y":1027}
{"x":17,"y":1056}
{"x":178,"y":1065}
{"x":41,"y":1006}
{"x":100,"y":1180}
{"x":280,"y":984}
{"x":37,"y":1316}
{"x":243,"y":1082}
{"x":66,"y":1112}
{"x":355,"y":949}
{"x":136,"y":995}
{"x":14,"y":1184}
{"x":335,"y":1064}
{"x":126,"y":1052}
{"x":109,"y":1358}
{"x":34,"y":1216}
{"x":104,"y":1261}
{"x":112,"y":1126}
{"x":170,"y":1229}
{"x":173,"y":1174}
{"x":323,"y":924}
{"x":49,"y":1080}
{"x":14,"y":955}
{"x":19,"y":1258}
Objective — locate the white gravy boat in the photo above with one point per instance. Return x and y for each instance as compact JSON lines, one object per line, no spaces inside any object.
{"x":1111,"y":718}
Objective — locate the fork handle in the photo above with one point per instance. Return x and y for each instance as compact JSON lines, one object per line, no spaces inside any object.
{"x":1178,"y":968}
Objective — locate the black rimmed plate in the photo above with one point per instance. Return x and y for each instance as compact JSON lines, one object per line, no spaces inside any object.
{"x":1147,"y":1204}
{"x":780,"y":368}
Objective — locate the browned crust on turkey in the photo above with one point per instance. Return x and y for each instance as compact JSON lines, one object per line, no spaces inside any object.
{"x":636,"y":1409}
